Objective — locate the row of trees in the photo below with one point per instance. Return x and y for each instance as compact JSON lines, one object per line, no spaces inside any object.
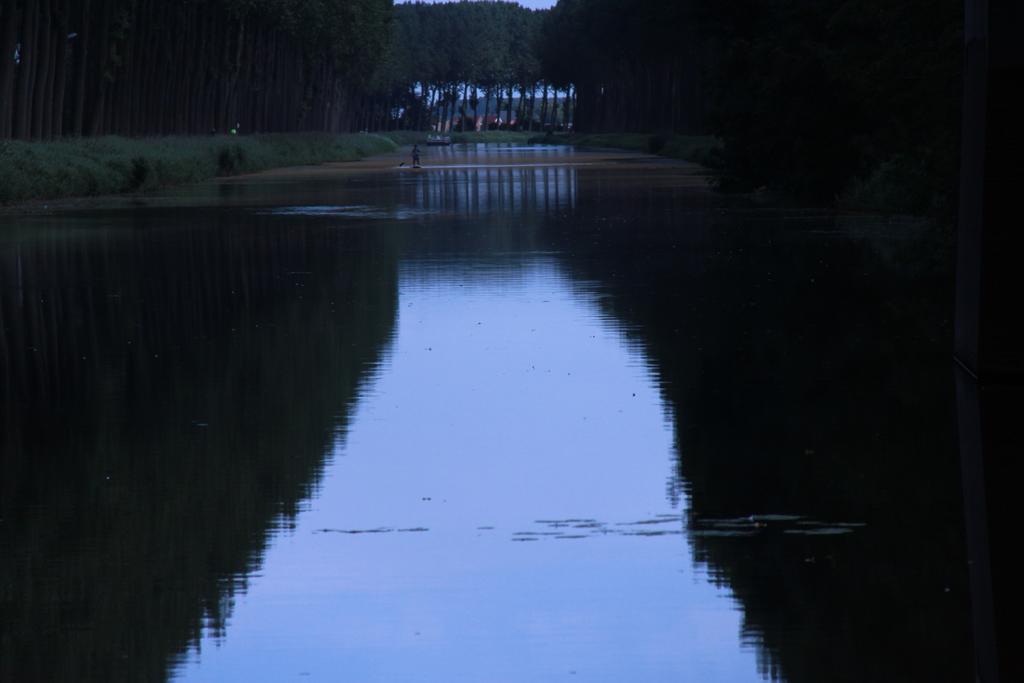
{"x":450,"y":64}
{"x":814,"y":97}
{"x":636,"y":64}
{"x":143,"y":67}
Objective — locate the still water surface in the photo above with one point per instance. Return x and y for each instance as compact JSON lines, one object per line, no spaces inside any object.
{"x":530,"y":414}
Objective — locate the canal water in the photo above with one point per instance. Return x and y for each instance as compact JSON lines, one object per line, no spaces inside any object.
{"x":526,"y":414}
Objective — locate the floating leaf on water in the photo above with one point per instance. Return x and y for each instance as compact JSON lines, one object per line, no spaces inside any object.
{"x":733,"y":525}
{"x":777,"y":518}
{"x":565,"y":522}
{"x":823,"y":531}
{"x":845,"y":525}
{"x":721,"y":521}
{"x":351,"y":211}
{"x":649,"y":522}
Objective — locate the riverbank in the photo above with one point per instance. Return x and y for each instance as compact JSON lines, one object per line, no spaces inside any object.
{"x":84,"y":168}
{"x":89,"y":167}
{"x":76,"y":168}
{"x":900,"y":186}
{"x":699,"y":149}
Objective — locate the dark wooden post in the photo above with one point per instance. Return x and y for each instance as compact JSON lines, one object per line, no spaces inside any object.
{"x":990,"y":322}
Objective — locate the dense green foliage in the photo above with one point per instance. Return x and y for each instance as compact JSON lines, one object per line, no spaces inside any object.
{"x":106,"y":165}
{"x":851,"y":98}
{"x":145,"y":67}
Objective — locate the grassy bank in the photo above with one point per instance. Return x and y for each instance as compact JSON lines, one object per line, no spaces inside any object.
{"x":84,"y":167}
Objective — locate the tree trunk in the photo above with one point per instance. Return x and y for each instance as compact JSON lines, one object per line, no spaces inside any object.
{"x":533,"y":107}
{"x":465,"y":94}
{"x":44,"y":61}
{"x":81,"y":67}
{"x":487,"y":107}
{"x":432,"y":102}
{"x":544,"y":108}
{"x":456,"y":110}
{"x":25,"y":72}
{"x":522,"y":108}
{"x":98,"y":92}
{"x":60,"y":70}
{"x":569,"y":108}
{"x":8,"y":38}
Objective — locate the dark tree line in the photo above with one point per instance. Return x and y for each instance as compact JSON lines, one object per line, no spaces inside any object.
{"x":634,"y":64}
{"x":144,"y":67}
{"x":449,"y":64}
{"x":813,"y":97}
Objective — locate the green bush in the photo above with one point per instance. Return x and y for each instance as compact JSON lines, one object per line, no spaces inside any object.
{"x":657,"y":142}
{"x":898,"y":185}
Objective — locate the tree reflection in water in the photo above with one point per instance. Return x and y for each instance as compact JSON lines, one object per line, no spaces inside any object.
{"x":170,"y":393}
{"x":806,"y":357}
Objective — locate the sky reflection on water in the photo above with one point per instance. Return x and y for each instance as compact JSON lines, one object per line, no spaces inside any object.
{"x":508,"y":397}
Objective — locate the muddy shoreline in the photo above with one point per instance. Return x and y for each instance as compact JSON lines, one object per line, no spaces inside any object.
{"x":494,"y":156}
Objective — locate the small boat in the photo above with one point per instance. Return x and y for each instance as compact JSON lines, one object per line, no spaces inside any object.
{"x":438,"y":140}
